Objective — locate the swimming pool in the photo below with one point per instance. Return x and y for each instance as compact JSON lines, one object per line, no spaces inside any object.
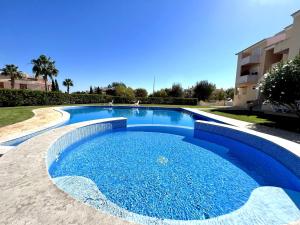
{"x":167,"y":173}
{"x":136,"y":115}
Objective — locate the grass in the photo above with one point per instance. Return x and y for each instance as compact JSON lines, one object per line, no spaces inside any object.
{"x":11,"y":115}
{"x":244,"y":116}
{"x":282,"y":122}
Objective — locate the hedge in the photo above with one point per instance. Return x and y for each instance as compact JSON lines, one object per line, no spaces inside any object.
{"x":10,"y":97}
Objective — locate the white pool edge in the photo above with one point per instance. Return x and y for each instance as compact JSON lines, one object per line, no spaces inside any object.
{"x":65,"y":116}
{"x":249,"y":213}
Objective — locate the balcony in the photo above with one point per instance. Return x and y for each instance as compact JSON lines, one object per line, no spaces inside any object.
{"x":281,"y":46}
{"x":248,"y":79}
{"x":252,"y":59}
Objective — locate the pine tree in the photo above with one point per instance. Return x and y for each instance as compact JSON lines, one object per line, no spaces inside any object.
{"x":56,"y":86}
{"x":98,"y":90}
{"x":53,"y":87}
{"x":91,"y":90}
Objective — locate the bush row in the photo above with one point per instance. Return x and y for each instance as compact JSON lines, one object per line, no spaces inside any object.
{"x":30,"y":98}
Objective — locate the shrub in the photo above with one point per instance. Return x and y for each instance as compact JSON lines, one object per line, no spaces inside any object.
{"x":10,"y":97}
{"x":140,"y":93}
{"x":176,"y":91}
{"x":281,"y":86}
{"x":203,"y":90}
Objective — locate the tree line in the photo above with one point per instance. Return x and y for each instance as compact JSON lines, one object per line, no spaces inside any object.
{"x":202,"y":90}
{"x":43,"y":67}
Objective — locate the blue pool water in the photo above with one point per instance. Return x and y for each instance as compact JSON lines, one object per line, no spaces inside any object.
{"x":137,"y":115}
{"x":167,"y":173}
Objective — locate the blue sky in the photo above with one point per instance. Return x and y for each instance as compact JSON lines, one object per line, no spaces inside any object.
{"x":96,"y":42}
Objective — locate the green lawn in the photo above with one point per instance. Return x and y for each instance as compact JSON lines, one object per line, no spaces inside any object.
{"x":11,"y":115}
{"x":282,"y":122}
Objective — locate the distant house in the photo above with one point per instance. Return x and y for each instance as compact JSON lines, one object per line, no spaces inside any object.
{"x":26,"y":82}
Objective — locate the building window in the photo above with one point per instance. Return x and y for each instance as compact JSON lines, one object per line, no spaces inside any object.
{"x":23,"y":86}
{"x":1,"y":85}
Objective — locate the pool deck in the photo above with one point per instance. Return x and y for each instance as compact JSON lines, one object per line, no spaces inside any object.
{"x":28,"y":195}
{"x":43,"y":118}
{"x":291,"y":136}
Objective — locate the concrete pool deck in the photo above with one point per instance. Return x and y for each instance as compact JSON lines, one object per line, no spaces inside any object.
{"x":28,"y":195}
{"x":43,"y":118}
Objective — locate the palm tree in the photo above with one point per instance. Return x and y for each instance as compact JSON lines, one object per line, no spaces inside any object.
{"x":12,"y":71}
{"x":44,"y":66}
{"x":68,"y":83}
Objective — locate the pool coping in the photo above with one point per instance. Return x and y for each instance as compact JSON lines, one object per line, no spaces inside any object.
{"x":64,"y":117}
{"x":223,"y":119}
{"x":29,"y":196}
{"x":214,"y":117}
{"x":255,"y":206}
{"x":6,"y":142}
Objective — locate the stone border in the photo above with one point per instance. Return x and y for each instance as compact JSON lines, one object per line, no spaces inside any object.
{"x":219,"y":118}
{"x":65,"y":116}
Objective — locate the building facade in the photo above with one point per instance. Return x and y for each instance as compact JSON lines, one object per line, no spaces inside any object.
{"x":258,"y":59}
{"x":26,"y":82}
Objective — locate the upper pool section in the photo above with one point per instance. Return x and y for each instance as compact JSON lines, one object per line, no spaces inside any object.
{"x":136,"y":115}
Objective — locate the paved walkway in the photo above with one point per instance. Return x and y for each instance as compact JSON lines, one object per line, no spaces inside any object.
{"x":42,"y":117}
{"x":291,"y":136}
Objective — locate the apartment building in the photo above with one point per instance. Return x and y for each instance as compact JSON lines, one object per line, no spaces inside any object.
{"x":26,"y":82}
{"x":258,"y":59}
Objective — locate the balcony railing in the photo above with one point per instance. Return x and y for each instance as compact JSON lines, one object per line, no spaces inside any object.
{"x":252,"y":59}
{"x":248,"y":79}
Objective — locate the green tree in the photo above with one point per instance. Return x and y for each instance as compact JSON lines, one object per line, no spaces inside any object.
{"x":56,"y":86}
{"x":140,"y":92}
{"x":229,"y":93}
{"x":53,"y":87}
{"x":12,"y":71}
{"x":161,"y":93}
{"x":124,"y":91}
{"x":44,"y":66}
{"x":91,"y":90}
{"x":218,"y":94}
{"x":203,"y":89}
{"x":176,"y":91}
{"x":281,"y":86}
{"x":115,"y":84}
{"x":188,"y":93}
{"x":68,"y":83}
{"x":98,"y":90}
